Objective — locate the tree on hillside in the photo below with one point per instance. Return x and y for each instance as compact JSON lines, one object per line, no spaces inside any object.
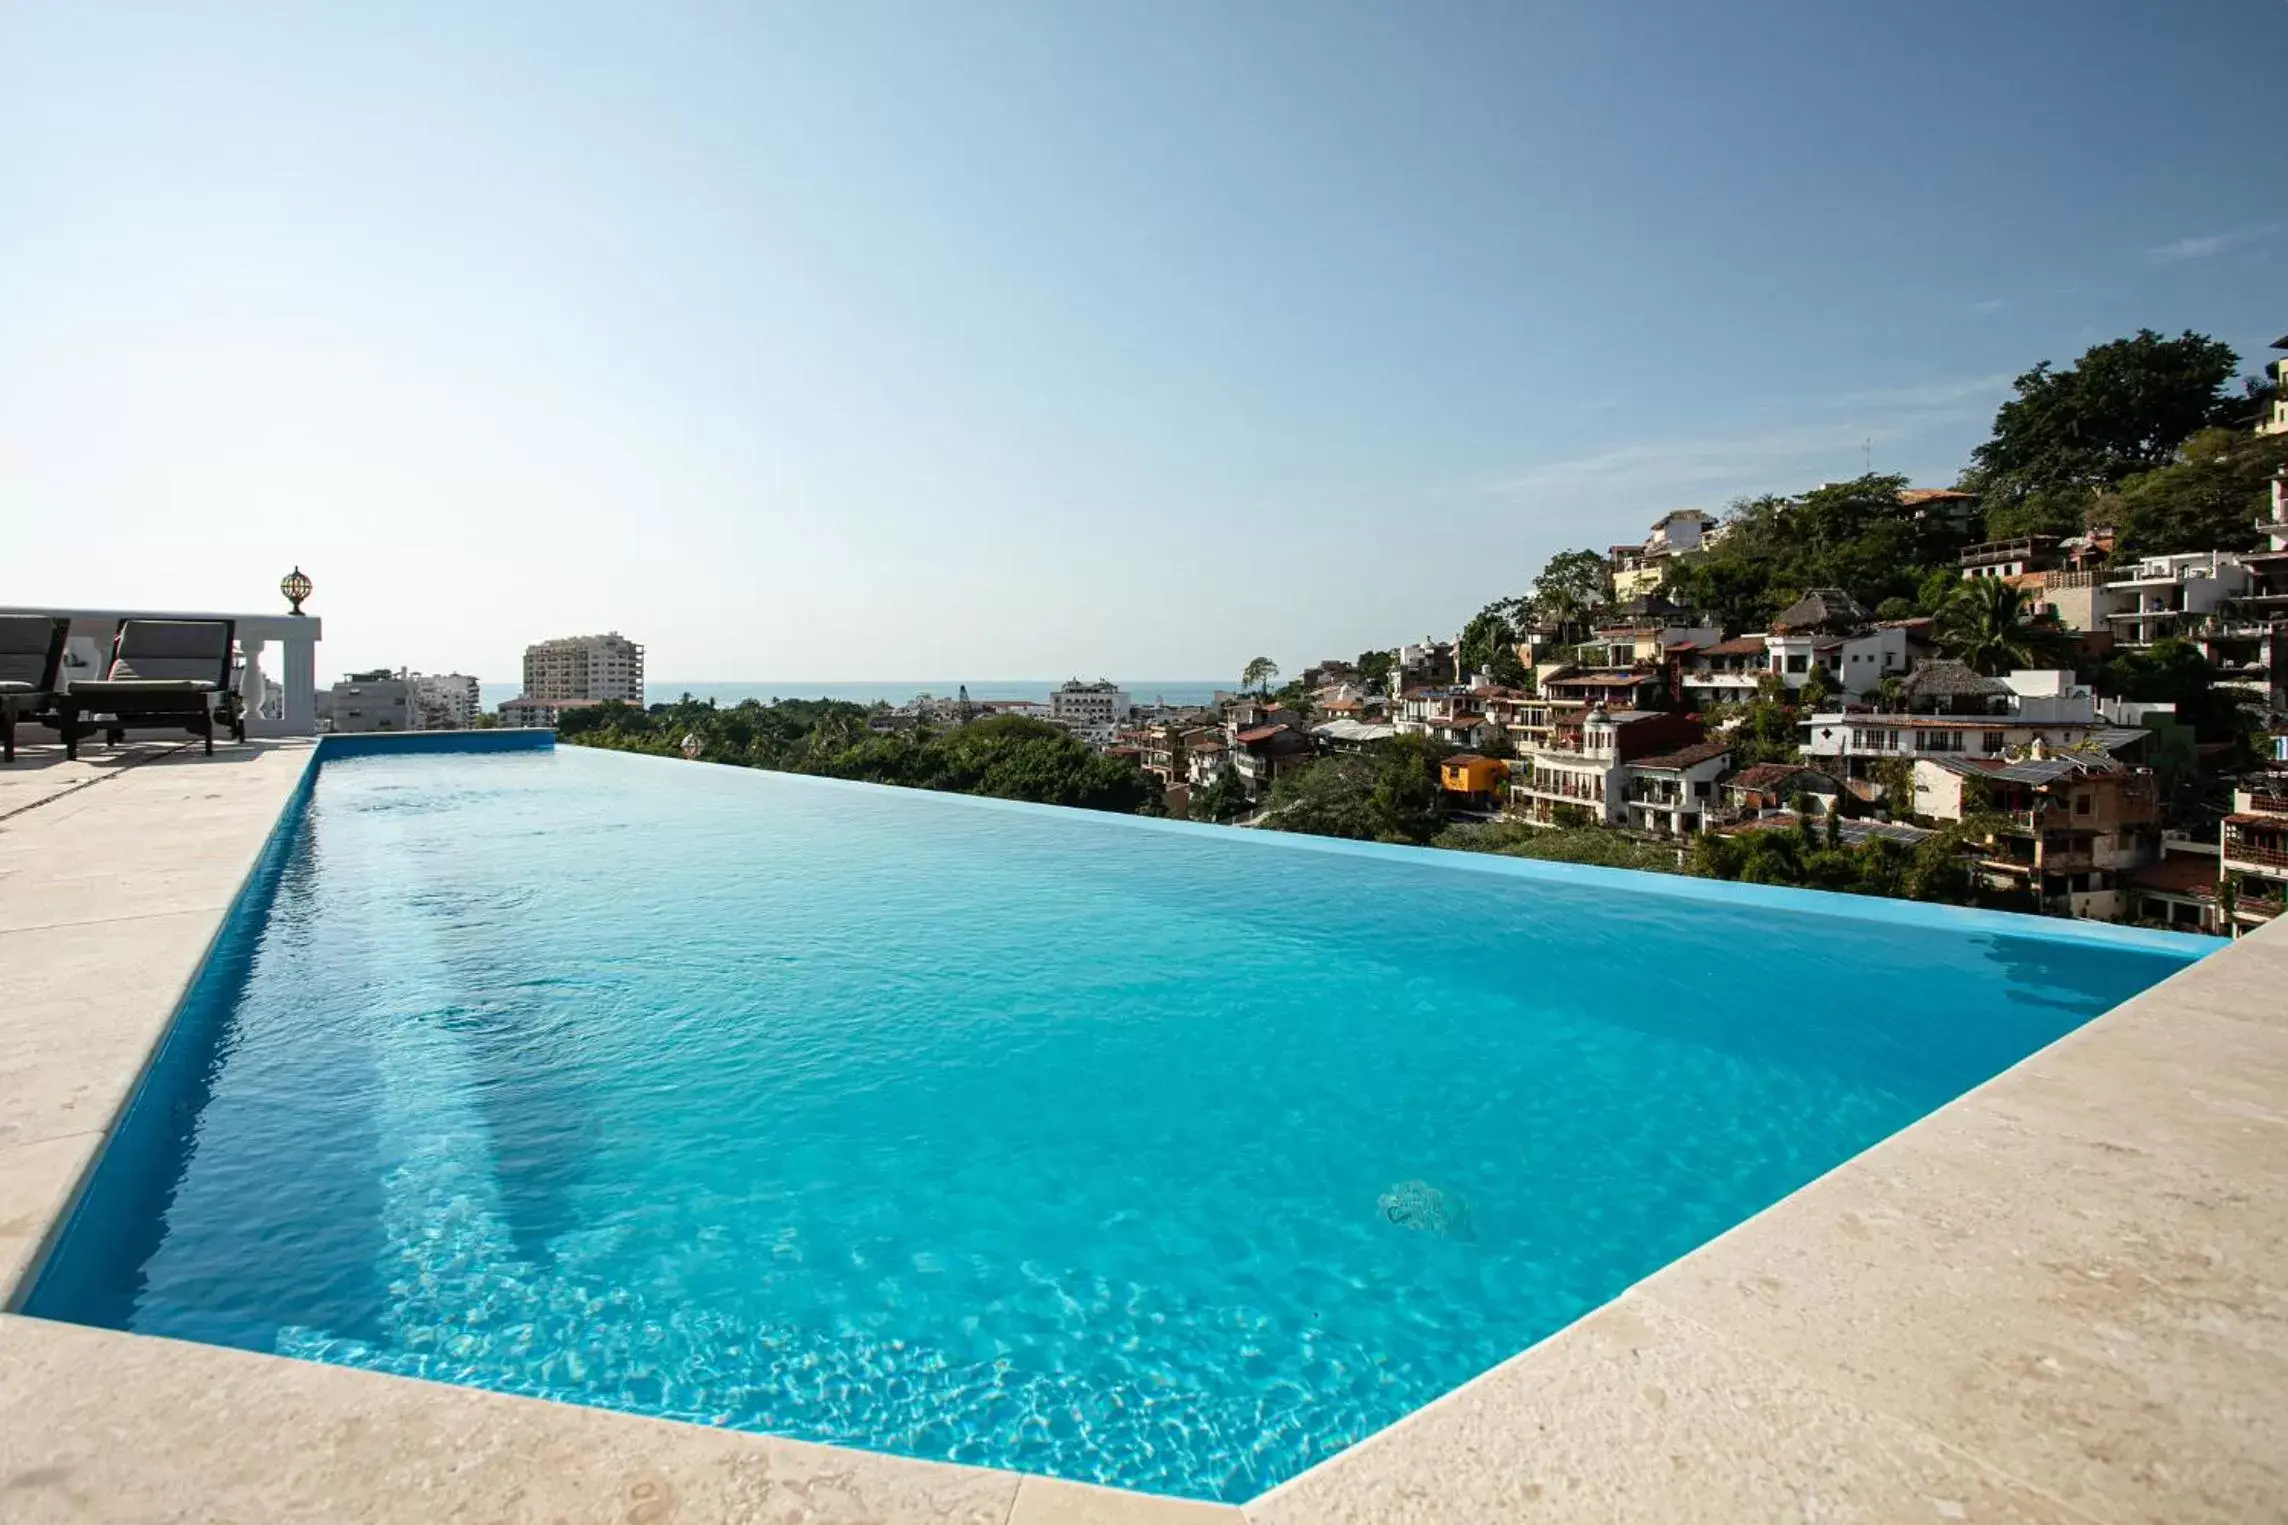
{"x":1258,"y":675}
{"x":2121,"y":409}
{"x":1374,"y":669}
{"x":2208,"y":498}
{"x":1489,"y":641}
{"x":1388,"y":793}
{"x":1855,"y":535}
{"x":2172,"y":671}
{"x":1988,"y":625}
{"x":1571,"y":589}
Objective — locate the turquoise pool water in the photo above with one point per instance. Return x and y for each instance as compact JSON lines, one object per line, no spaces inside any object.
{"x":1172,"y":1158}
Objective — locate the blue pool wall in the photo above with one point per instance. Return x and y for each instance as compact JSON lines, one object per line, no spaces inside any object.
{"x":122,"y":1203}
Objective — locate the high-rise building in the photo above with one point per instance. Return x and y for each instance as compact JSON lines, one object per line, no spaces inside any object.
{"x":444,"y":701}
{"x":608,"y":666}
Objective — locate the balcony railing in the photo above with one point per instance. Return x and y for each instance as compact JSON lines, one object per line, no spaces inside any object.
{"x":2244,"y":852}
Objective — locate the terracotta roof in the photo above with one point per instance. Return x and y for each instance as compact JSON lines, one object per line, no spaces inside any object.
{"x":1685,"y":757}
{"x":1207,"y":746}
{"x":1770,"y":775}
{"x":1260,"y":733}
{"x":1460,"y":758}
{"x":2181,"y":875}
{"x":1914,"y":495}
{"x":1738,"y":646}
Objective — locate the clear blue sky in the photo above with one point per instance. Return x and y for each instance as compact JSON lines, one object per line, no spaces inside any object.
{"x":856,"y":341}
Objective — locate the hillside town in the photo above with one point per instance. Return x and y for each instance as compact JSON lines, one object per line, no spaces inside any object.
{"x":2012,"y":716}
{"x":2055,"y":689}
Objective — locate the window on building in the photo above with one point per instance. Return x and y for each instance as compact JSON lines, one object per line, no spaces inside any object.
{"x":1796,"y":664}
{"x":2081,"y":804}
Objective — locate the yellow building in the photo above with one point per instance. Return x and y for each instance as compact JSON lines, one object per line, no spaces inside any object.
{"x":1466,"y":773}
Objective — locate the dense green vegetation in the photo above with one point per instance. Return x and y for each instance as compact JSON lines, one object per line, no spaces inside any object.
{"x":1812,"y":856}
{"x":2069,"y":436}
{"x":1599,"y":845}
{"x":1388,"y":793}
{"x":1007,"y":756}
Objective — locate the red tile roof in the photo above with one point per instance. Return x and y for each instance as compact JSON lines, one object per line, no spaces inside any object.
{"x":2181,"y":875}
{"x":1738,"y":646}
{"x":1260,"y":733}
{"x":1771,"y":774}
{"x":1685,"y":757}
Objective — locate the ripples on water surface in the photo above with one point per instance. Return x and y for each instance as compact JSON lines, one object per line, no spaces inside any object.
{"x":1016,"y":1137}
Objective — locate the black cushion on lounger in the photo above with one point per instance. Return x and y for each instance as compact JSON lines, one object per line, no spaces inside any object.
{"x":27,"y":646}
{"x":171,"y":649}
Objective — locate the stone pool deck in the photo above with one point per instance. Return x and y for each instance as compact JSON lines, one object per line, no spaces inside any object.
{"x":2063,"y":1298}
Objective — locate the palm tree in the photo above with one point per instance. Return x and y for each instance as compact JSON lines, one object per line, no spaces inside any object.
{"x":1985,"y":625}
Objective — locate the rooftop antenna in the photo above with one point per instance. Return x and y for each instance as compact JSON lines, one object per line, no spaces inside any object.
{"x":1869,"y":448}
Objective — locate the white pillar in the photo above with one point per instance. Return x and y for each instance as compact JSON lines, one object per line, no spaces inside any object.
{"x":250,"y":685}
{"x":300,"y":714}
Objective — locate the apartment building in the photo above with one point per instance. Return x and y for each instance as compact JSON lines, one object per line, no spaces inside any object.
{"x":2073,"y":830}
{"x":2025,"y":555}
{"x":2174,"y":595}
{"x":1581,"y":771}
{"x":1091,"y":711}
{"x":1827,"y":630}
{"x":608,"y":666}
{"x":1448,"y":715}
{"x":446,"y":701}
{"x":2252,"y":849}
{"x":1950,"y":711}
{"x":1639,"y":570}
{"x":366,"y":702}
{"x":1728,"y":672}
{"x":1673,"y":794}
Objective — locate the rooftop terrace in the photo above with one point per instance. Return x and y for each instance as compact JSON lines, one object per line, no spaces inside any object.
{"x":2062,"y":1298}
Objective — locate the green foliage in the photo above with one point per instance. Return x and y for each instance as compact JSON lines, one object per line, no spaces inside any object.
{"x":1007,"y":756}
{"x":2171,"y":671}
{"x":1931,"y":870}
{"x":1220,"y":800}
{"x":1853,"y":535}
{"x":1388,"y":793}
{"x":1571,"y":588}
{"x":1819,"y":687}
{"x":1489,"y":641}
{"x":1374,"y":669}
{"x":1762,"y":729}
{"x":1987,"y":624}
{"x":2208,"y":498}
{"x":1599,"y":845}
{"x":2121,"y":409}
{"x":1258,"y":675}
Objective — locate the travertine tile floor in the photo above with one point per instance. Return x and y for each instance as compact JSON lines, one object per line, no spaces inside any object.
{"x":2063,"y":1298}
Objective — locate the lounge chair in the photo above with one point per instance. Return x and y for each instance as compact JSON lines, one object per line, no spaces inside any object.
{"x":163,"y":674}
{"x":31,"y":655}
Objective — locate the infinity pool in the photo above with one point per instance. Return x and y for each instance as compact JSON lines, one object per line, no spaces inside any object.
{"x":1168,"y":1157}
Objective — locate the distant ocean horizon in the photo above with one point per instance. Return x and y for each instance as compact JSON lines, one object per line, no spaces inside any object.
{"x":1144,"y":691}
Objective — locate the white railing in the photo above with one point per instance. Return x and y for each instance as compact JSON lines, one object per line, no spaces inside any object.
{"x":287,"y":708}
